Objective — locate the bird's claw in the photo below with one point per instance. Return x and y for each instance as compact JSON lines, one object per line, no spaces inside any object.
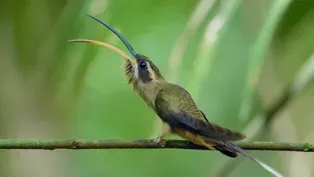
{"x":160,"y":141}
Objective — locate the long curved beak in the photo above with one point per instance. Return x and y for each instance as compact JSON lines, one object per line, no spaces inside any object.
{"x":106,"y":45}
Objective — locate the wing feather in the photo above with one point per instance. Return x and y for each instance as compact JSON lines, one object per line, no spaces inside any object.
{"x":177,"y":117}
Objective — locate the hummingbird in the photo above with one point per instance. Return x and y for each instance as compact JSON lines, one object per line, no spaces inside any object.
{"x":174,"y":105}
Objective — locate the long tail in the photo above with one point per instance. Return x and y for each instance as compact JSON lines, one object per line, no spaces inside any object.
{"x":230,"y":147}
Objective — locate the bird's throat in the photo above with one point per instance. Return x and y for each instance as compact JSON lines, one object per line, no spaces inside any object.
{"x":148,"y":91}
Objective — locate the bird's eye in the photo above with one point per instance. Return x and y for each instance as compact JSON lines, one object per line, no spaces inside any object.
{"x":142,"y":64}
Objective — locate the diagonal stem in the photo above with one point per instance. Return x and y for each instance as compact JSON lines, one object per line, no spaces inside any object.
{"x":301,"y":83}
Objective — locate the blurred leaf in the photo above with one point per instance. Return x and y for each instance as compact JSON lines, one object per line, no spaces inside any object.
{"x":293,"y":43}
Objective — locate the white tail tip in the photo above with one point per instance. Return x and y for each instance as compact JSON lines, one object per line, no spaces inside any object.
{"x":270,"y":169}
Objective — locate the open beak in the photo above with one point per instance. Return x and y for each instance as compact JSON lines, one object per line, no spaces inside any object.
{"x":106,"y":45}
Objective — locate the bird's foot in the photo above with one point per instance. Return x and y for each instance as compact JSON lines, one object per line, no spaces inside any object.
{"x":161,"y":141}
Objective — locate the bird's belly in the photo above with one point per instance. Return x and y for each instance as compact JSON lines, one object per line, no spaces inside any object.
{"x":192,"y":137}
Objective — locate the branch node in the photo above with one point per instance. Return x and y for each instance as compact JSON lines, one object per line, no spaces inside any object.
{"x":75,"y":144}
{"x":308,"y":147}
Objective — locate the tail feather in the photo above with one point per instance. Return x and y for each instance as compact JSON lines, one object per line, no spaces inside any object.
{"x":226,"y":152}
{"x":228,"y":146}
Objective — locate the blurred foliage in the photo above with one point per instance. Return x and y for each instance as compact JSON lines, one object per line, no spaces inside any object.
{"x":235,"y":64}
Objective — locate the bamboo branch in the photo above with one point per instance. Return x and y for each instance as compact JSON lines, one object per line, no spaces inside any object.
{"x":47,"y":144}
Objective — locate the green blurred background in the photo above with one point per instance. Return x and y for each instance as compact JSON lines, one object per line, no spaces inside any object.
{"x":236,"y":57}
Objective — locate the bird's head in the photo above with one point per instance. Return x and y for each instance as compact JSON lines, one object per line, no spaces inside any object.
{"x":139,"y":71}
